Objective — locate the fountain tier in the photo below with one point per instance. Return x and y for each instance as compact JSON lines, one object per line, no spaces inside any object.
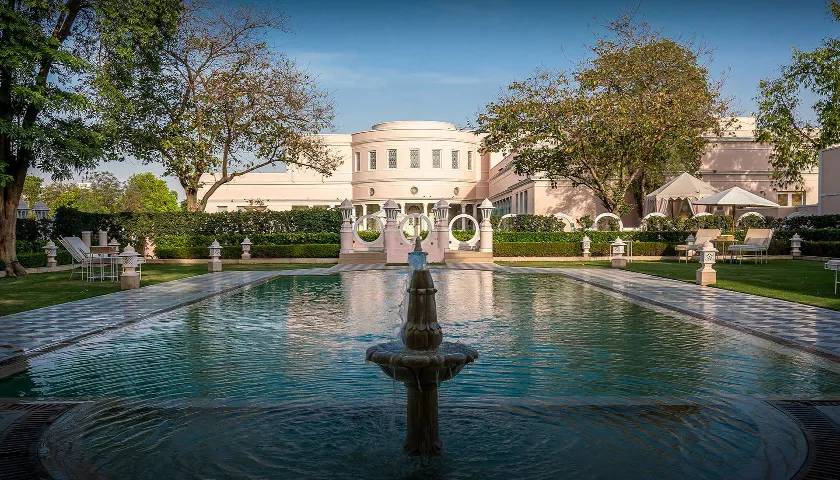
{"x":421,"y":361}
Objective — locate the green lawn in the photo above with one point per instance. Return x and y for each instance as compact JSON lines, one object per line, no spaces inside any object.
{"x":799,"y":281}
{"x":44,"y":289}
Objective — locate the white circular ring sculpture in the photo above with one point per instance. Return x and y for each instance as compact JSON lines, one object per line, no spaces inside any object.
{"x":608,"y":215}
{"x":748,"y":214}
{"x":472,"y":241}
{"x":505,"y":216}
{"x":361,"y":220}
{"x":569,"y":220}
{"x":702,"y":214}
{"x":412,"y":216}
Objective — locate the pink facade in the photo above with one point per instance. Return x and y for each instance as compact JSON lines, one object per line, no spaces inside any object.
{"x":417,"y":163}
{"x":829,"y":181}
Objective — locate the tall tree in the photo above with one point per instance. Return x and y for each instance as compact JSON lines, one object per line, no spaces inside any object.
{"x":146,"y":193}
{"x":100,"y":193}
{"x":59,"y":61}
{"x":796,"y":140}
{"x":636,"y":112}
{"x":226,"y":105}
{"x":32,"y":188}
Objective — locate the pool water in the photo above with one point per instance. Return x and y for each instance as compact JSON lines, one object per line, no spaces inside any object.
{"x":571,"y":382}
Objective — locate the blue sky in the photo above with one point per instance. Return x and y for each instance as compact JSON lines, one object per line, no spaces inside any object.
{"x":444,"y":60}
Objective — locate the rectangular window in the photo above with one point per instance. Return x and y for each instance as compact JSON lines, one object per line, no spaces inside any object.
{"x":414,"y":158}
{"x":357,"y":161}
{"x":392,"y":158}
{"x":372,"y":160}
{"x":782,"y":199}
{"x":435,"y":158}
{"x":790,"y":199}
{"x":469,"y":160}
{"x":455,"y":163}
{"x":797,"y":199}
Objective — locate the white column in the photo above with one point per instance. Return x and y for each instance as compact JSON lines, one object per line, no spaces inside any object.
{"x":365,"y":212}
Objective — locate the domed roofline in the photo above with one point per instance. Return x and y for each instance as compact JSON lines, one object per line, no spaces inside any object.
{"x":414,"y":125}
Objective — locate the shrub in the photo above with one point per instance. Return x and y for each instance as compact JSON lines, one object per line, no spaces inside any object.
{"x":39,"y":259}
{"x":531,"y":223}
{"x":754,"y":221}
{"x":31,"y":230}
{"x":821,"y":249}
{"x":322,"y":250}
{"x":369,"y":235}
{"x":204,"y":241}
{"x":808,"y":222}
{"x":130,"y":227}
{"x":573,"y":249}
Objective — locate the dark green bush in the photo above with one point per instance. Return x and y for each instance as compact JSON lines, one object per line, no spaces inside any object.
{"x":31,"y":230}
{"x":39,"y":259}
{"x":323,"y":250}
{"x":811,"y":222}
{"x":130,"y":227}
{"x":821,"y":249}
{"x":594,"y":235}
{"x":178,"y":241}
{"x":573,"y":249}
{"x":369,"y":235}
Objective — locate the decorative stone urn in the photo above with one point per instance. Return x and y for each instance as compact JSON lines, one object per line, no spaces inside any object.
{"x":129,"y":278}
{"x":422,"y":360}
{"x":215,"y":263}
{"x":51,"y":250}
{"x":706,"y":275}
{"x":346,"y":226}
{"x":485,"y":228}
{"x":585,"y":245}
{"x":617,"y":257}
{"x":796,"y":246}
{"x":246,"y":248}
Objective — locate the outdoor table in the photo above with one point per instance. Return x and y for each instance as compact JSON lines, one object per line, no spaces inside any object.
{"x":834,"y":264}
{"x":105,"y":259}
{"x":725,"y":241}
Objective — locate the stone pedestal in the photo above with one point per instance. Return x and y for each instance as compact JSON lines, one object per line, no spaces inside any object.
{"x":51,"y":262}
{"x":214,"y":266}
{"x":86,"y":237}
{"x":129,"y":281}
{"x":618,"y":262}
{"x":706,"y":276}
{"x":422,"y":436}
{"x":346,"y":238}
{"x":246,"y":256}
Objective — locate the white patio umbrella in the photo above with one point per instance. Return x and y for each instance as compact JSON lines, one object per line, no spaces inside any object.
{"x":736,"y":197}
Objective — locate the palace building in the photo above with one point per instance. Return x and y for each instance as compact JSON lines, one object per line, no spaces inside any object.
{"x":417,"y":163}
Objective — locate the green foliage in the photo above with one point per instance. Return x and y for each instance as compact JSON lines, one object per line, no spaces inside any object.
{"x":146,"y":193}
{"x":30,"y":230}
{"x":637,"y":110}
{"x":39,"y":259}
{"x":131,"y":227}
{"x":369,"y":235}
{"x":104,"y":195}
{"x":594,"y":235}
{"x":808,"y":222}
{"x":532,"y":223}
{"x":235,"y":240}
{"x":573,"y":249}
{"x":32,"y":188}
{"x":586,"y":222}
{"x":665,"y":224}
{"x":781,"y":120}
{"x":821,"y":249}
{"x":323,"y":250}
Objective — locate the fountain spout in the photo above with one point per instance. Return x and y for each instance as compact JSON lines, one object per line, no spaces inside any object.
{"x":421,"y":361}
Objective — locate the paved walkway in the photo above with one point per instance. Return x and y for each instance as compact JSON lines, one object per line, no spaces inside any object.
{"x":809,"y":328}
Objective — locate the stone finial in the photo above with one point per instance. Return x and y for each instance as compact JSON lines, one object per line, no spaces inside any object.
{"x":417,"y":246}
{"x":421,"y":330}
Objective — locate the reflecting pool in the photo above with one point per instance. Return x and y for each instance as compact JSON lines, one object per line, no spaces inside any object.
{"x":572,"y":382}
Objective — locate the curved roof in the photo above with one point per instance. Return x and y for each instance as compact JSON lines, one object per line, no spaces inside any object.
{"x":736,"y":196}
{"x":683,"y":186}
{"x":414,"y":125}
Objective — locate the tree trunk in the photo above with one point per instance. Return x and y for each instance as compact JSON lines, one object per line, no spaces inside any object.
{"x":192,"y":199}
{"x":8,"y":222}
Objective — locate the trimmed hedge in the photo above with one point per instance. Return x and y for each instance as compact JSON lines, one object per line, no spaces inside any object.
{"x":323,"y":250}
{"x":31,"y":230}
{"x":821,"y":249}
{"x":39,"y":259}
{"x":594,"y":235}
{"x":130,"y":227}
{"x":573,"y":249}
{"x":204,"y":241}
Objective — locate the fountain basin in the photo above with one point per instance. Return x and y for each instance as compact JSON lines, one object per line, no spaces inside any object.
{"x":421,"y":366}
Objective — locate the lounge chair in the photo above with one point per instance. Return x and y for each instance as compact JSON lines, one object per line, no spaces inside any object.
{"x":80,"y":257}
{"x":756,"y":243}
{"x":703,"y":235}
{"x":834,"y":264}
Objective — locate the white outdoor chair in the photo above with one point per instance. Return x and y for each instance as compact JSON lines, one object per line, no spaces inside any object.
{"x":95,"y":261}
{"x":703,"y":235}
{"x":834,"y":264}
{"x":756,"y":243}
{"x":80,"y":260}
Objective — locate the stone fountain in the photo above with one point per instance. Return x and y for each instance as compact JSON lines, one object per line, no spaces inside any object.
{"x":422,"y":360}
